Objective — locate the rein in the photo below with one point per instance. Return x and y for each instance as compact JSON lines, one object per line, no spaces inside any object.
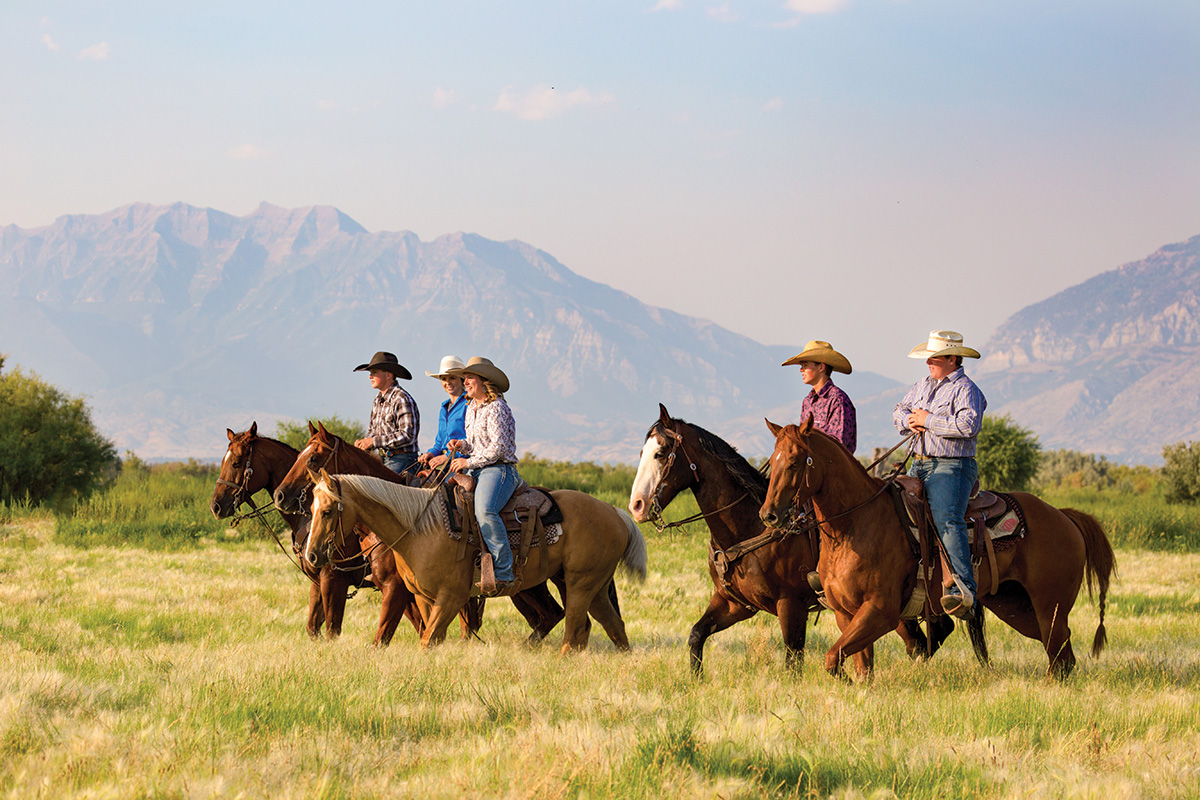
{"x":656,"y":507}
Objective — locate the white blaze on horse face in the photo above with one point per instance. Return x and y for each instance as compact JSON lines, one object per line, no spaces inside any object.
{"x":228,"y":453}
{"x":648,"y":476}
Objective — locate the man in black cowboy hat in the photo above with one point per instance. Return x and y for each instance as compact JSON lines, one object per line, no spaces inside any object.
{"x":395,"y":421}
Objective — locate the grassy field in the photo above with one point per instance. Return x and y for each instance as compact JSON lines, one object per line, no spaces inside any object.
{"x":171,"y":662}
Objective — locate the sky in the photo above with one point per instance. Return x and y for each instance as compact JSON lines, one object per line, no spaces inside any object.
{"x":857,"y":171}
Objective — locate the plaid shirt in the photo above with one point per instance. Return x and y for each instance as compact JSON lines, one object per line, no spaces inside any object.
{"x":955,"y":407}
{"x":395,"y":421}
{"x":833,"y":414}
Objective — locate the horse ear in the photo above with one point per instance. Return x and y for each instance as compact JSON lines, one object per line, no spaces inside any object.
{"x":807,"y":426}
{"x":311,"y":429}
{"x":321,"y":428}
{"x":773,"y":428}
{"x":230,"y":434}
{"x":325,"y":476}
{"x":254,"y":428}
{"x":313,"y":476}
{"x":663,"y":416}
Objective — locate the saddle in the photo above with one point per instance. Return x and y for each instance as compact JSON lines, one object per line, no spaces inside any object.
{"x":990,"y":516}
{"x":531,"y":517}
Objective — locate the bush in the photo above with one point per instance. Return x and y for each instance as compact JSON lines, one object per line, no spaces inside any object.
{"x":1007,"y":454}
{"x":1181,"y":473}
{"x":296,"y":434}
{"x":1071,"y":469}
{"x":53,"y":454}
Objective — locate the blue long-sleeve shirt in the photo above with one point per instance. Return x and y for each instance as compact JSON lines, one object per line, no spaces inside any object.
{"x":451,"y":423}
{"x":955,"y":407}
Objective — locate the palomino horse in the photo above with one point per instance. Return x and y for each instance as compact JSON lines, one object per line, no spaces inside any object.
{"x":330,"y":452}
{"x":595,"y":539}
{"x":869,"y":569}
{"x":753,"y":569}
{"x":253,"y":463}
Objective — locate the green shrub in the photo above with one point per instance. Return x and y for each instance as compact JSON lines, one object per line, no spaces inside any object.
{"x":1007,"y":455}
{"x":1181,"y":473}
{"x":296,"y":434}
{"x":53,"y":454}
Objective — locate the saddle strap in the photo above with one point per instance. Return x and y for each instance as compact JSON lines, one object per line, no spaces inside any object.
{"x":981,"y":532}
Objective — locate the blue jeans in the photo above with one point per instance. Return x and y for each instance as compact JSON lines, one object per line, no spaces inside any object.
{"x":948,"y":483}
{"x":494,"y":485}
{"x":399,"y":462}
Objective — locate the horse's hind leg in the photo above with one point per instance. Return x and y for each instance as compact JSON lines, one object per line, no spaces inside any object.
{"x":793,"y":624}
{"x":603,"y":612}
{"x":720,"y":614}
{"x":1056,"y":636}
{"x":540,"y":610}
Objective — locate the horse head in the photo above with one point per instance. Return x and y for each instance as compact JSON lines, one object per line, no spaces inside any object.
{"x":326,"y":524}
{"x":319,"y":452}
{"x":795,"y":475}
{"x":664,"y":470}
{"x":241,"y":476}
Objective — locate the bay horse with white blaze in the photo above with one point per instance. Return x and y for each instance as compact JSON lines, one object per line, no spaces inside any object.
{"x":869,"y":568}
{"x":753,"y":568}
{"x":253,"y":463}
{"x":594,"y":540}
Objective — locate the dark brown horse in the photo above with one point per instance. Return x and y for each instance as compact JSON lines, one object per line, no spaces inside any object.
{"x":330,"y":452}
{"x":869,"y":569}
{"x":753,"y":568}
{"x":253,"y":463}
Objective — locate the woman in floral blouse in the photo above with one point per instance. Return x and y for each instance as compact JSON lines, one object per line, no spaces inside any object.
{"x":490,"y":455}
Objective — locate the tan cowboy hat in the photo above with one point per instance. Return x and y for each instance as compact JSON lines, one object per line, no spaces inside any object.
{"x":822,"y":352}
{"x":386,"y":362}
{"x":448,"y":363}
{"x":943,"y":343}
{"x":484,"y":368}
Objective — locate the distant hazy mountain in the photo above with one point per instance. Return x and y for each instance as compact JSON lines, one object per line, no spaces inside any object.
{"x":178,"y":322}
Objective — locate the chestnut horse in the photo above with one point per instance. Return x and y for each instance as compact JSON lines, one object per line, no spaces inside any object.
{"x":330,"y":452}
{"x":869,"y":569}
{"x":749,"y":573}
{"x":595,"y":540}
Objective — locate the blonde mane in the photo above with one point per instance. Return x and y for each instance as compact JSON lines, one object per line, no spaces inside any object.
{"x":414,"y":508}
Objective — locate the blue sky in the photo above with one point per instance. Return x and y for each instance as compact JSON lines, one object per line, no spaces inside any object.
{"x":858,"y":171}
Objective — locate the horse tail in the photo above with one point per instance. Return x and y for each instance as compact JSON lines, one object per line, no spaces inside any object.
{"x":635,"y":558}
{"x":1100,"y":565}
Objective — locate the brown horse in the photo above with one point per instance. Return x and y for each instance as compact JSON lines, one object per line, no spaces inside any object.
{"x":752,"y":568}
{"x":595,"y":540}
{"x":869,"y":568}
{"x":330,"y":452}
{"x":253,"y":463}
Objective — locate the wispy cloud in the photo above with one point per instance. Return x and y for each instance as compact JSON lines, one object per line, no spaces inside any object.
{"x":246,"y":152}
{"x":51,"y":45}
{"x":814,"y":6}
{"x":722,"y":13}
{"x":442,"y":97}
{"x":97,"y":52}
{"x":544,"y":102}
{"x":667,"y":5}
{"x":774,"y":104}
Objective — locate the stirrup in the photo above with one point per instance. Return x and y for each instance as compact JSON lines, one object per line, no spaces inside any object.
{"x":814,"y":583}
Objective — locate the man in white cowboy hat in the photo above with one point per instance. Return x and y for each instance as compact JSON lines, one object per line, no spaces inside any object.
{"x":451,"y":418}
{"x":831,"y":409}
{"x":945,"y":411}
{"x":395,"y":421}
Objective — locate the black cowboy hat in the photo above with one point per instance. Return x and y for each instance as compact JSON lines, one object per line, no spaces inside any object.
{"x":386,"y":362}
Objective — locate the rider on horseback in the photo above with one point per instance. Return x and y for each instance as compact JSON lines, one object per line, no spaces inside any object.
{"x":832,"y":411}
{"x":395,"y":421}
{"x":945,"y":410}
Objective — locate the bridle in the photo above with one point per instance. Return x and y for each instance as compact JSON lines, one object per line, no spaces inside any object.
{"x":656,"y":509}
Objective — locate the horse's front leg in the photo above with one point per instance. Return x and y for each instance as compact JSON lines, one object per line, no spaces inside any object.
{"x":720,"y":614}
{"x":793,"y":624}
{"x":868,"y":623}
{"x":439,"y":615}
{"x":316,"y":609}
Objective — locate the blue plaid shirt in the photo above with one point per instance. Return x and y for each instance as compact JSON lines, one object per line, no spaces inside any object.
{"x":955,"y":407}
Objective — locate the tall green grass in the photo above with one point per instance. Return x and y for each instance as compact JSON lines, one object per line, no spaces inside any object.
{"x":1142,"y":521}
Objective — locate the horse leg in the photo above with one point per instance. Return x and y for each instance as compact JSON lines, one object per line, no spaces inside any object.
{"x":471,"y":616}
{"x":793,"y":623}
{"x":602,"y":610}
{"x":540,"y":610}
{"x":720,"y":614}
{"x":868,"y":624}
{"x":1056,"y":635}
{"x":396,"y":603}
{"x":316,"y":610}
{"x":864,"y":661}
{"x":339,"y":584}
{"x":581,"y":590}
{"x":443,"y":611}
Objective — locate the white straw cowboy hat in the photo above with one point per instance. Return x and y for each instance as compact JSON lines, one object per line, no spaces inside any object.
{"x":943,"y":343}
{"x":386,"y":362}
{"x":822,"y":352}
{"x":484,"y":368}
{"x":448,"y":363}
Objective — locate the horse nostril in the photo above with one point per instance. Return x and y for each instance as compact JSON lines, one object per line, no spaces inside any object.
{"x":636,"y":507}
{"x":312,"y":558}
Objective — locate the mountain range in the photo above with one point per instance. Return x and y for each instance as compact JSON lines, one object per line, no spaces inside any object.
{"x":177,"y":322}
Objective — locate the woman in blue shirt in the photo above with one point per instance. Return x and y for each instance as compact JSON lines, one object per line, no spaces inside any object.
{"x":452,"y":417}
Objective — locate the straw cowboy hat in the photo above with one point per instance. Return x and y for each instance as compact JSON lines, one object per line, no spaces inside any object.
{"x":821,"y":352}
{"x":386,"y":362}
{"x":448,"y":363}
{"x":943,"y":343}
{"x":484,"y":368}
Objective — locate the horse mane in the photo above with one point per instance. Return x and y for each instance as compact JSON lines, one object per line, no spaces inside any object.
{"x":793,"y":431}
{"x":739,"y":469}
{"x":407,"y":503}
{"x":351,"y":452}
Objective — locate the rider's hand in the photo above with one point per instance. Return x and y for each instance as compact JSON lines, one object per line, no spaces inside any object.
{"x":438,"y":460}
{"x":423,"y":458}
{"x":365,"y":444}
{"x":458,"y":465}
{"x":916,"y":420}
